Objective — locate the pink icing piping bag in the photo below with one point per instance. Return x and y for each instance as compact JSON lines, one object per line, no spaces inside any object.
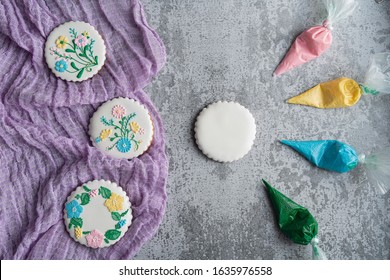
{"x":312,"y":42}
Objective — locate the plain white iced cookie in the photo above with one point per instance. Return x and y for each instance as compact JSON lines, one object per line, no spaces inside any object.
{"x":225,"y":131}
{"x":97,"y":214}
{"x":75,"y":51}
{"x":121,"y":128}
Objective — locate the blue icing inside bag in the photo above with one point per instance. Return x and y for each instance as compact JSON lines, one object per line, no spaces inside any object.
{"x":331,"y":155}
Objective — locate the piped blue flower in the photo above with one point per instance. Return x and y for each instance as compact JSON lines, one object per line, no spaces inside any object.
{"x":73,"y":209}
{"x":123,"y":145}
{"x":61,"y":65}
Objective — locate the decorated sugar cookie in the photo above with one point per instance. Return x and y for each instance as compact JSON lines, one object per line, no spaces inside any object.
{"x":121,"y":128}
{"x":97,"y":214}
{"x":75,"y":51}
{"x":225,"y":131}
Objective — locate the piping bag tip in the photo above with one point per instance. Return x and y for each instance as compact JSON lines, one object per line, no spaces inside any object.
{"x":285,"y":142}
{"x":278,"y":71}
{"x":266,"y":184}
{"x":293,"y":100}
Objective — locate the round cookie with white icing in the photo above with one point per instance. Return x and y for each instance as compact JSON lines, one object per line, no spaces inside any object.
{"x":75,"y":51}
{"x":121,"y":128}
{"x":225,"y":131}
{"x":97,"y":214}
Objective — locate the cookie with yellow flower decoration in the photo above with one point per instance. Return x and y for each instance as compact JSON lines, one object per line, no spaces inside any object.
{"x":75,"y":51}
{"x":121,"y":128}
{"x":97,"y":214}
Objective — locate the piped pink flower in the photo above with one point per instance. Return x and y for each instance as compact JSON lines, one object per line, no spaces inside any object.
{"x":94,"y":239}
{"x":118,"y":111}
{"x":81,"y":41}
{"x":52,"y":50}
{"x":93,"y":193}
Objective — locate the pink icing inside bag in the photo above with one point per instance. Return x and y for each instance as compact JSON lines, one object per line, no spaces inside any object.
{"x":310,"y":44}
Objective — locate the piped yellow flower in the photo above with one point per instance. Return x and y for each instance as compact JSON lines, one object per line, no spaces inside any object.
{"x":78,"y":232}
{"x":134,"y":126}
{"x":114,"y":203}
{"x":85,"y":34}
{"x":105,"y":133}
{"x":61,"y":42}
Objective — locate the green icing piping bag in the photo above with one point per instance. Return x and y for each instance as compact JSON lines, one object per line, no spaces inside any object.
{"x":295,"y":221}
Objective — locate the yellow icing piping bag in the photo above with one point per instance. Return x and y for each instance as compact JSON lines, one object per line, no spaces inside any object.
{"x":345,"y":92}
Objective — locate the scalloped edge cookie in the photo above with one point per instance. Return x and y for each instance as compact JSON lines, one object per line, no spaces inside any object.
{"x":225,"y":131}
{"x":52,"y":50}
{"x":139,"y":135}
{"x":107,"y":196}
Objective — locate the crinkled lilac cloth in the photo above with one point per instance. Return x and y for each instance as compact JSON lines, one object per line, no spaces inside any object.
{"x":45,"y":149}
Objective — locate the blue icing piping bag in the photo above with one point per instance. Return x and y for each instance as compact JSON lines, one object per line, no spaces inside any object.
{"x":331,"y":155}
{"x":337,"y":156}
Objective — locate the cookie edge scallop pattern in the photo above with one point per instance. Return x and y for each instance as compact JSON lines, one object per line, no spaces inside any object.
{"x":73,"y":194}
{"x":47,"y":53}
{"x":196,"y":132}
{"x":92,"y":139}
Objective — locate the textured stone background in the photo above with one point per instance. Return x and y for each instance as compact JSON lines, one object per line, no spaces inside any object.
{"x":227,"y":50}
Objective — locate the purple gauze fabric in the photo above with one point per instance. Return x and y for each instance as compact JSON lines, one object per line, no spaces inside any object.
{"x":45,"y":151}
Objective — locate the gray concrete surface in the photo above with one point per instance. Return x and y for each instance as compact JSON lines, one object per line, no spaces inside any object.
{"x":227,"y":50}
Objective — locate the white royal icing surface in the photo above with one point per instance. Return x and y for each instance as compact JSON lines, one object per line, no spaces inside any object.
{"x":225,"y":131}
{"x":98,"y":225}
{"x":75,"y":56}
{"x":117,"y":143}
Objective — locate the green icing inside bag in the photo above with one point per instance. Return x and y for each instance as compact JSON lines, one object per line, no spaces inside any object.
{"x":294,"y":220}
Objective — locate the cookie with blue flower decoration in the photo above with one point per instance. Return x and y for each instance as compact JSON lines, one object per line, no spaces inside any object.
{"x":75,"y":51}
{"x":121,"y":128}
{"x":98,"y":213}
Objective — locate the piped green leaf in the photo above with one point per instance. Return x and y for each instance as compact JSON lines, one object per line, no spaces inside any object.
{"x":115,"y":216}
{"x":112,"y":234}
{"x":69,"y":51}
{"x":104,"y":192}
{"x":80,"y":73}
{"x":124,"y":213}
{"x":86,"y":188}
{"x":96,"y":59}
{"x":85,"y":198}
{"x":74,"y":66}
{"x":77,"y":222}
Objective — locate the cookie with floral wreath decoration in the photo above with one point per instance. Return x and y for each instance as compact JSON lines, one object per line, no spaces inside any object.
{"x":75,"y":51}
{"x":97,"y":214}
{"x":121,"y":128}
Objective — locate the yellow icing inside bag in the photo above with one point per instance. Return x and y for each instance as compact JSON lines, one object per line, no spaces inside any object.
{"x":342,"y":92}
